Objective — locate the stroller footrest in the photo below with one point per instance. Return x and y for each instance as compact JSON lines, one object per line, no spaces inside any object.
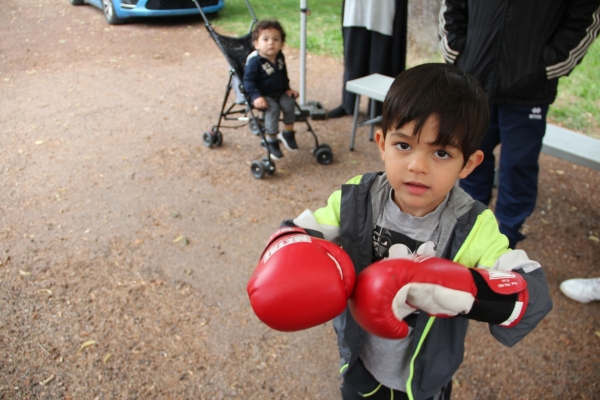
{"x":314,"y":109}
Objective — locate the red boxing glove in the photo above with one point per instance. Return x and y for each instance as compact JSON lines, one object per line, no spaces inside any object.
{"x":389,"y":290}
{"x":300,"y":281}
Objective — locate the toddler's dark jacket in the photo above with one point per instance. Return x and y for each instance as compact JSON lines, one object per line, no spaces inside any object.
{"x":261,"y":78}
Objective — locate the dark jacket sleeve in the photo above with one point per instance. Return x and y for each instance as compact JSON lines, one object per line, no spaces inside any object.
{"x":453,"y":20}
{"x":285,"y":74}
{"x":251,"y":76}
{"x":538,"y":306}
{"x":575,"y":33}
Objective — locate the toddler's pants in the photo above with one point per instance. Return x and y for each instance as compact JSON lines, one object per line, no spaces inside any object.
{"x":284,"y":103}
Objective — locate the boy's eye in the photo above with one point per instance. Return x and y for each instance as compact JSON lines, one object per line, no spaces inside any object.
{"x":442,"y":154}
{"x":402,"y":146}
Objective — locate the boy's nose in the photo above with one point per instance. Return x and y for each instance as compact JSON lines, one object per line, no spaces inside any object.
{"x":418,"y":163}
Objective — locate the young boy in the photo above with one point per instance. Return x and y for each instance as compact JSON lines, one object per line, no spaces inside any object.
{"x":411,"y":220}
{"x":267,"y":84}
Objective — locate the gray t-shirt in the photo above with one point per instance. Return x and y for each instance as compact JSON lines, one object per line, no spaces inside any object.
{"x":398,"y":235}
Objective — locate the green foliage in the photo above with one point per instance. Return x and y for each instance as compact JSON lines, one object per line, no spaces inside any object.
{"x":323,"y":26}
{"x":577,"y":106}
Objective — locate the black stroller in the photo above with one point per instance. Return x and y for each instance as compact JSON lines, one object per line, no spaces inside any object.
{"x":236,"y":50}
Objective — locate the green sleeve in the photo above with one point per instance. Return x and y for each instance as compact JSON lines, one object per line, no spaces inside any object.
{"x":330,"y":214}
{"x":484,"y":245}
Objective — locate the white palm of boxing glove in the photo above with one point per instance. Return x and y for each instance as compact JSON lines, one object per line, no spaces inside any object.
{"x":389,"y":290}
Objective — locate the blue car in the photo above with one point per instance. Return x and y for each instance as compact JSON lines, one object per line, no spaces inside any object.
{"x":117,"y":11}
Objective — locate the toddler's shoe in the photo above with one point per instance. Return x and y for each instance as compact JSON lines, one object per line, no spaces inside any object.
{"x":288,"y":138}
{"x":274,"y":149}
{"x":581,"y":290}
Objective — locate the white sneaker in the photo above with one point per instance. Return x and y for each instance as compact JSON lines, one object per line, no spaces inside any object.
{"x":581,"y":290}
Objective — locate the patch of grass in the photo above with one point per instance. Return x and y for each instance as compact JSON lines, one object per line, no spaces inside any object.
{"x":323,"y":26}
{"x":577,"y":106}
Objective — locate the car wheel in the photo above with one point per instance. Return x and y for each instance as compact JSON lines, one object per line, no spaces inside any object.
{"x":77,"y":2}
{"x":109,"y":13}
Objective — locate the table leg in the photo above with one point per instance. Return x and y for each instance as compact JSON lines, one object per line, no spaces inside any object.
{"x":372,"y":117}
{"x":354,"y":121}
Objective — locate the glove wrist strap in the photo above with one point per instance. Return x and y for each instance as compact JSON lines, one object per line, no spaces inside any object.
{"x":490,"y":306}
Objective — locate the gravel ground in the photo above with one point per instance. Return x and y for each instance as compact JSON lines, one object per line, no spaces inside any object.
{"x":126,"y":244}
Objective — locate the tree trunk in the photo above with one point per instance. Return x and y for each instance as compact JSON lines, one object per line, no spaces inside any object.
{"x":423,"y":32}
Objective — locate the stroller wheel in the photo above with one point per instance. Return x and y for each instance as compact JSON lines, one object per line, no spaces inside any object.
{"x":218,"y":136}
{"x":210,"y":138}
{"x":257,"y":169}
{"x":323,"y":154}
{"x":254,"y":128}
{"x":269,"y":166}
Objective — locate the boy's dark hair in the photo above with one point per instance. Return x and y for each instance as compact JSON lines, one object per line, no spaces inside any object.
{"x":445,"y":91}
{"x":267,"y":24}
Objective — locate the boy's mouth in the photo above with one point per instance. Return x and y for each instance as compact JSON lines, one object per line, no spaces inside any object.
{"x":416,"y":187}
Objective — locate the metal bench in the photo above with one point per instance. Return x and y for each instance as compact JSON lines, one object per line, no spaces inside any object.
{"x":572,"y":146}
{"x":558,"y":142}
{"x":375,"y":87}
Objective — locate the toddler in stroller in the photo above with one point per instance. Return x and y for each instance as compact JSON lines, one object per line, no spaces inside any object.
{"x":268,"y":86}
{"x":238,"y":50}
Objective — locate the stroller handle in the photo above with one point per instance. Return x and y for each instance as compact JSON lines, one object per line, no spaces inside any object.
{"x":209,"y":26}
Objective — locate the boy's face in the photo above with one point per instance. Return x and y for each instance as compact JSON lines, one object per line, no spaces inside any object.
{"x":420,"y":173}
{"x":269,"y":43}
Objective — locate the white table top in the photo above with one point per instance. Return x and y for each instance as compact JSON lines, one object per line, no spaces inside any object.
{"x":374,"y":86}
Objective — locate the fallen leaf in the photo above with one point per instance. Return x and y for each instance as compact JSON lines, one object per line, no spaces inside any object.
{"x":597,"y":333}
{"x":24,"y":273}
{"x":594,"y":238}
{"x":178,"y":239}
{"x":182,"y":239}
{"x":87,"y":344}
{"x":560,"y":172}
{"x":48,"y":291}
{"x":47,"y":381}
{"x":106,"y":357}
{"x":543,"y":221}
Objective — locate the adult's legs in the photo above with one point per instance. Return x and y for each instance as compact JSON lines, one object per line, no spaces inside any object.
{"x":357,"y":42}
{"x":522,"y":130}
{"x":388,"y":53}
{"x":368,"y":52}
{"x":480,"y":182}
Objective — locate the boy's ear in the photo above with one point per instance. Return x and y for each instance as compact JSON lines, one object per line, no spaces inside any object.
{"x":472,"y":162}
{"x":380,"y":140}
